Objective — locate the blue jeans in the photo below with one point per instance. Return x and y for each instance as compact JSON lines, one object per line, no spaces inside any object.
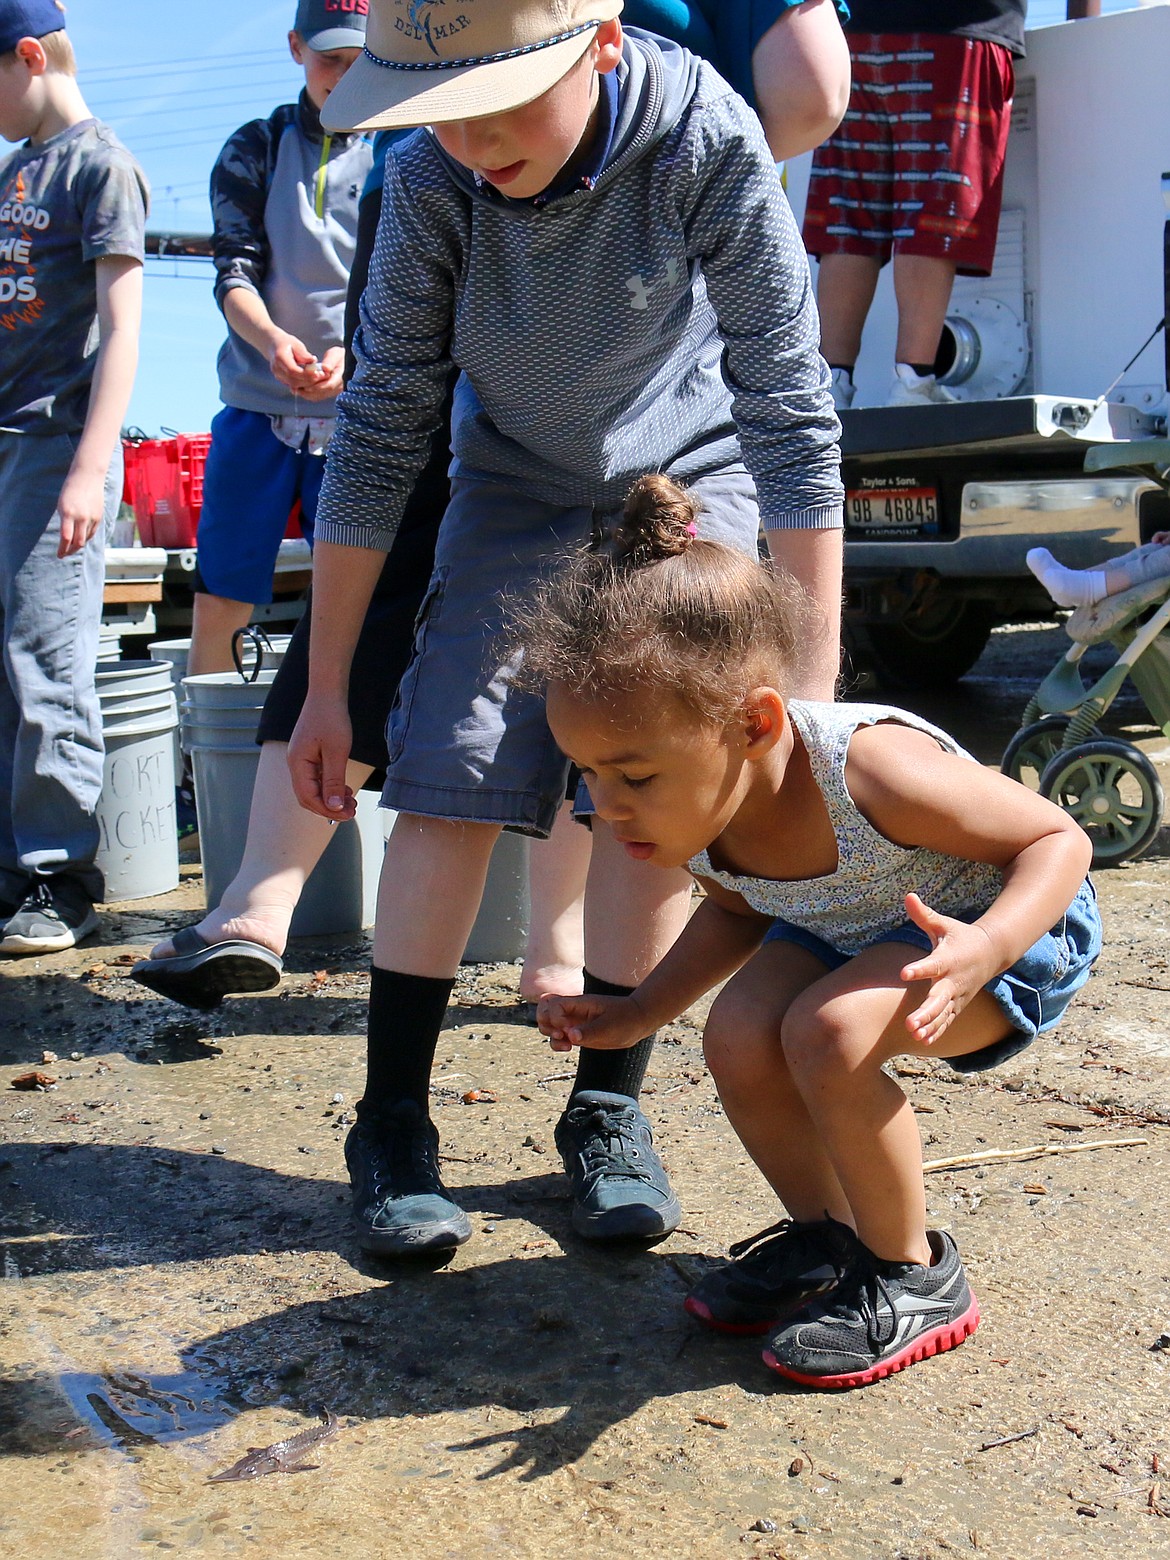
{"x":50,"y":723}
{"x":1032,"y":995}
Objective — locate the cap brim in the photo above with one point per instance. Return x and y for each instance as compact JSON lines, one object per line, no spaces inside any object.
{"x":379,"y":97}
{"x":335,"y":38}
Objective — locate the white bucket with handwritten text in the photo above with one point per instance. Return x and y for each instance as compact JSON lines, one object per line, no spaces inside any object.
{"x":138,"y":852}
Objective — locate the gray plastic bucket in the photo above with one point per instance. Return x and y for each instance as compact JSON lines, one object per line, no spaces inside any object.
{"x":501,"y":927}
{"x":176,"y":652}
{"x":138,"y":853}
{"x":220,"y":717}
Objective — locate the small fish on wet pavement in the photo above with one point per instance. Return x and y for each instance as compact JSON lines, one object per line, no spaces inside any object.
{"x":282,"y":1456}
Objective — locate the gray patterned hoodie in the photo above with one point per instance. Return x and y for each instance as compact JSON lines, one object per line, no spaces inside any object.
{"x":659,"y":318}
{"x":284,"y":201}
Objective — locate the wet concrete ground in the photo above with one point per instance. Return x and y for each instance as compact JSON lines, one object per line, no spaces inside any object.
{"x":180,"y":1285}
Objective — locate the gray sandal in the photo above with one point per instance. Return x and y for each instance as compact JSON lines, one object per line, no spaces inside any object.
{"x":200,"y":974}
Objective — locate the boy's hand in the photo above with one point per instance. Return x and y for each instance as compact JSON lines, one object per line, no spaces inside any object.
{"x":81,"y":509}
{"x":332,"y":369}
{"x":960,"y":964}
{"x":317,"y":756}
{"x":602,"y":1023}
{"x":294,"y":365}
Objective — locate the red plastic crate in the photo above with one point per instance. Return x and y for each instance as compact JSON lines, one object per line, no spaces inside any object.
{"x":164,"y":484}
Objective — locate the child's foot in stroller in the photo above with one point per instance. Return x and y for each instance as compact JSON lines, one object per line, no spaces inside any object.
{"x":1067,"y":587}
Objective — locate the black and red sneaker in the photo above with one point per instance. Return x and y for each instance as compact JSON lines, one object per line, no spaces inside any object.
{"x":772,"y":1273}
{"x":881,"y":1317}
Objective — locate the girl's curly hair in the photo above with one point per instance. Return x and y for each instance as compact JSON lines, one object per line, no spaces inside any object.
{"x":656,"y":606}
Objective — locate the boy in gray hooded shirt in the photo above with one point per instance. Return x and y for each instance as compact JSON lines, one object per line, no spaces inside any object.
{"x":594,"y":233}
{"x":284,"y":200}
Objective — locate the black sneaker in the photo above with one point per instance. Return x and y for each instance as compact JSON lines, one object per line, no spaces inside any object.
{"x":54,"y":915}
{"x":620,"y":1189}
{"x":773,"y":1273}
{"x":881,"y":1317}
{"x":400,"y":1205}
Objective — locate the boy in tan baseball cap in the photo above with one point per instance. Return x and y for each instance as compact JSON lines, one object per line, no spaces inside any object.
{"x":426,"y":63}
{"x":593,"y":232}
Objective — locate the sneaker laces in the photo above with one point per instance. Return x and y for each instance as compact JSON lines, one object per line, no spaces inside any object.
{"x":403,"y":1159}
{"x":758,"y":1250}
{"x":862,"y":1297}
{"x":40,"y":897}
{"x":610,"y":1146}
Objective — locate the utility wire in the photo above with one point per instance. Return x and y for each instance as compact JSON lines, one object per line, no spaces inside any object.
{"x":147,"y":68}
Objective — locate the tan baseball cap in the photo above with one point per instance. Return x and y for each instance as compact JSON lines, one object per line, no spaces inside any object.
{"x":428,"y":62}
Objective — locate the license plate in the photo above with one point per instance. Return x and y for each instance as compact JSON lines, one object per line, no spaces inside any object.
{"x":902,"y":506}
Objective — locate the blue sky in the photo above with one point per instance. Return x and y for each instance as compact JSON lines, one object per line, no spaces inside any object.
{"x":174,"y":81}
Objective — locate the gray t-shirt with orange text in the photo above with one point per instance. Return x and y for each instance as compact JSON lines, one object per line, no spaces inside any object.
{"x":64,"y":204}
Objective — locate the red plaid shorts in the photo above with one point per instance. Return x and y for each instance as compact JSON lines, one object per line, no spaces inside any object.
{"x":916,"y":165}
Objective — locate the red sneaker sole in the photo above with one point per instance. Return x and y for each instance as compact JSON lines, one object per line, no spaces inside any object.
{"x":923,"y":1347}
{"x":703,"y":1314}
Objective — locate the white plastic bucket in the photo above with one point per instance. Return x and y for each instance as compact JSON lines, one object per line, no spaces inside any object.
{"x":138,"y":853}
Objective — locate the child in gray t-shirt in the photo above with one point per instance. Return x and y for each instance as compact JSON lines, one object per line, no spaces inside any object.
{"x":72,"y":217}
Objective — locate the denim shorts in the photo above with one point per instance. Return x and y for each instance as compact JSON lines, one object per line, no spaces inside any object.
{"x":464,"y":744}
{"x":250,"y":485}
{"x":1033,"y":994}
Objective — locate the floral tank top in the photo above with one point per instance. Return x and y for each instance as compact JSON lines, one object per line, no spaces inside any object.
{"x":865,"y":897}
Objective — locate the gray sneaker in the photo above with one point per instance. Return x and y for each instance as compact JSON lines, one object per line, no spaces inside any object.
{"x":880,"y":1318}
{"x":54,"y":915}
{"x":772,"y":1274}
{"x":400,"y":1205}
{"x":620,"y":1188}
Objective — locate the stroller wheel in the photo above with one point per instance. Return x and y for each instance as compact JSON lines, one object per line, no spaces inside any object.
{"x":1033,"y":747}
{"x":1113,"y":791}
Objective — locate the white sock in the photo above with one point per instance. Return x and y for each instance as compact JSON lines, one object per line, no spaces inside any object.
{"x":1067,"y":587}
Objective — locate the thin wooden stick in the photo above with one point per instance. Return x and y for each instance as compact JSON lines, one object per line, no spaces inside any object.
{"x":1036,"y":1151}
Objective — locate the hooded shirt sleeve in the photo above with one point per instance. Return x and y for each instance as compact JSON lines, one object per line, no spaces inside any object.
{"x":741,"y":231}
{"x":394,"y":403}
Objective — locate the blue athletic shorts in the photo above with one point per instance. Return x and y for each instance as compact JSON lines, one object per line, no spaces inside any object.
{"x":1033,"y":993}
{"x":250,"y":485}
{"x":463,"y":743}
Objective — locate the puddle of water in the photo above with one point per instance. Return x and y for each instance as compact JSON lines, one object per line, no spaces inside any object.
{"x":118,"y":1408}
{"x":171,"y":1043}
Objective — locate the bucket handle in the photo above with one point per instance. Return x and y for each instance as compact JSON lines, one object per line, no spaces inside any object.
{"x":259,"y":641}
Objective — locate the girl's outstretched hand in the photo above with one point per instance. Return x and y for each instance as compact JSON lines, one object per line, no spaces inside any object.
{"x":959,"y":965}
{"x":603,"y":1023}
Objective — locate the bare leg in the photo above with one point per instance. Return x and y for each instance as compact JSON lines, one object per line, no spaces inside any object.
{"x":845,"y":289}
{"x":215,"y":620}
{"x":284,"y":844}
{"x":633,"y":911}
{"x":836,"y":1036}
{"x":429,"y":894}
{"x":741,"y":1043}
{"x":557,"y":871}
{"x":922,"y":286}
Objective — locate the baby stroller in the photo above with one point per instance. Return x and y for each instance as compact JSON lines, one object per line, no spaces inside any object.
{"x":1107,"y":784}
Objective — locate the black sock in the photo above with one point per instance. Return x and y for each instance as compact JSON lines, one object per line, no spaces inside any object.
{"x":923,"y":370}
{"x":406,"y":1015}
{"x":842,"y":368}
{"x":614,"y":1072}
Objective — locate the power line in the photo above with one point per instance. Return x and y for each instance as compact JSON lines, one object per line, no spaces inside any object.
{"x":234,"y":61}
{"x":191,"y":94}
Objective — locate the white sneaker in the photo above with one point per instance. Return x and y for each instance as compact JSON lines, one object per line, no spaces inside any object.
{"x":842,"y":389}
{"x":911,"y":389}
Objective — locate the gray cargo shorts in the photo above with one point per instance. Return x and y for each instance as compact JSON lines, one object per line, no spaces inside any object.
{"x":464,"y":744}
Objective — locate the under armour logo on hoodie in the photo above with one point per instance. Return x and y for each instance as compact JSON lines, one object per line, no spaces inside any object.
{"x":639,"y":297}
